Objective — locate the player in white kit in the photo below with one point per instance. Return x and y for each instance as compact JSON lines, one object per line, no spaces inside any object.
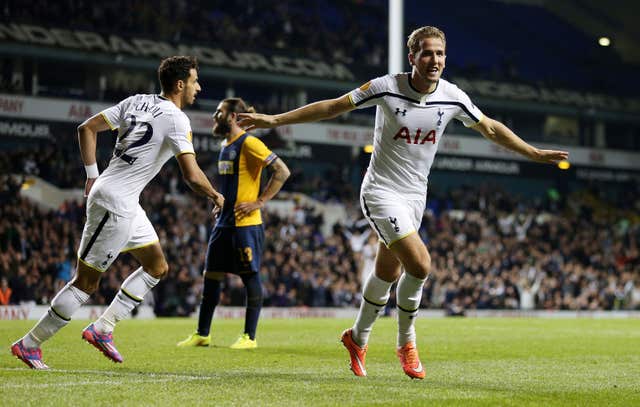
{"x":151,"y":130}
{"x":413,"y":110}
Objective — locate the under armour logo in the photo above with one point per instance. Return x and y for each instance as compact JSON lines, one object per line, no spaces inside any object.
{"x":440,"y":114}
{"x":394,"y":222}
{"x":403,"y":112}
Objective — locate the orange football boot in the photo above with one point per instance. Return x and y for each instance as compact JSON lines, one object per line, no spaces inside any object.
{"x":356,"y":353}
{"x":410,"y":361}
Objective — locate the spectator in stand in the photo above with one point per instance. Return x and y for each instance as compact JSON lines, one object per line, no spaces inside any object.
{"x":5,"y":291}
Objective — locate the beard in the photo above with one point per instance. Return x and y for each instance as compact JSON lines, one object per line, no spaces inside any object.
{"x":187,"y":101}
{"x":222,"y":129}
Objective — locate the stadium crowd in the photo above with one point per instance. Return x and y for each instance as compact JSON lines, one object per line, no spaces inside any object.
{"x":315,"y":29}
{"x":48,"y":161}
{"x":490,"y":250}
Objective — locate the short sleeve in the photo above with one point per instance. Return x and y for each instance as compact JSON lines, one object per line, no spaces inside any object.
{"x":258,"y":152}
{"x":369,"y":94}
{"x":179,"y":136}
{"x":114,"y":114}
{"x":469,"y":113}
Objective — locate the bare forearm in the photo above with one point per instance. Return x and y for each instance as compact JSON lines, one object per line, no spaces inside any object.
{"x":199,"y":183}
{"x":279,"y":174}
{"x":87,"y":141}
{"x":325,"y":109}
{"x":502,"y":135}
{"x":274,"y":185}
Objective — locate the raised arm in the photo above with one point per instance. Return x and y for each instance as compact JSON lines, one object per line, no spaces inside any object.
{"x":322,"y":110}
{"x":196,"y":180}
{"x":279,"y":174}
{"x":87,"y":139}
{"x":502,"y":135}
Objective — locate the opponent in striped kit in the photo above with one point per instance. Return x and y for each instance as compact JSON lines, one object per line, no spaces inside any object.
{"x":235,"y":242}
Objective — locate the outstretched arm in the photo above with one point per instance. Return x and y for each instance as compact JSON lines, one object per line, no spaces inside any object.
{"x":322,"y":110}
{"x":502,"y":135}
{"x":279,"y":174}
{"x":87,"y":139}
{"x":197,"y":181}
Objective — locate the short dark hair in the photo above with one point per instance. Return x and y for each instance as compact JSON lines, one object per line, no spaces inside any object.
{"x":237,"y":105}
{"x":174,"y":69}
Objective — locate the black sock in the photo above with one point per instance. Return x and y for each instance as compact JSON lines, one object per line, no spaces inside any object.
{"x":210,"y":299}
{"x":254,"y":303}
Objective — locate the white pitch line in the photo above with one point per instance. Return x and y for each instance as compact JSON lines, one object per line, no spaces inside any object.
{"x":89,"y":383}
{"x":116,"y":373}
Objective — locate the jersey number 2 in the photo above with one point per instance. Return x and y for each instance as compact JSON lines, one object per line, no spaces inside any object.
{"x":122,"y":152}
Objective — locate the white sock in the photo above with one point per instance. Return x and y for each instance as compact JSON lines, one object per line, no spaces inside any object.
{"x":63,"y":306}
{"x":131,"y":293}
{"x":408,"y":296}
{"x":374,"y":298}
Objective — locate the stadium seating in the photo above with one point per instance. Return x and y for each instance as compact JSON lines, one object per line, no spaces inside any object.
{"x":489,"y":249}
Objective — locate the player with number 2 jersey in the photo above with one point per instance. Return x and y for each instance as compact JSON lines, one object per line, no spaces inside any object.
{"x":151,"y":129}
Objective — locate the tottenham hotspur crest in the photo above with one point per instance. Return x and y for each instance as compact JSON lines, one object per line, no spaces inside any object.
{"x":440,"y":114}
{"x":109,"y":257}
{"x":394,"y":222}
{"x":232,"y":154}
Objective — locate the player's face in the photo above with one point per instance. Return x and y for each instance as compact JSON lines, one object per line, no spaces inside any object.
{"x":191,"y":88}
{"x":221,"y":121}
{"x":428,"y":62}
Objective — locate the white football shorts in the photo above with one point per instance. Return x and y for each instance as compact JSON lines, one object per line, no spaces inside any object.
{"x":106,"y":234}
{"x":391,"y":217}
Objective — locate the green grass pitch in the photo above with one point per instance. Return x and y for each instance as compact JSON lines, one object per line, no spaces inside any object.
{"x":518,"y":362}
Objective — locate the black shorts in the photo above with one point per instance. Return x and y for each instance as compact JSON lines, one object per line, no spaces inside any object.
{"x":235,"y":249}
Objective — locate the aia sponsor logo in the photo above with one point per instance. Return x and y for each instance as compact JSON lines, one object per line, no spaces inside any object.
{"x":417,"y":138}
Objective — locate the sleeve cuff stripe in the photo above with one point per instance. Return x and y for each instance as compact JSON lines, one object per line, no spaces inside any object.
{"x":351,"y":100}
{"x":185,"y":152}
{"x":111,"y":126}
{"x":271,"y":158}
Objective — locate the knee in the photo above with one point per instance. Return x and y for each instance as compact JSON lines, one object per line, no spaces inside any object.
{"x":421,"y":268}
{"x":87,"y":279}
{"x":388,"y":274}
{"x":423,"y":271}
{"x":159,"y":270}
{"x":86,"y":284}
{"x":213,"y":275}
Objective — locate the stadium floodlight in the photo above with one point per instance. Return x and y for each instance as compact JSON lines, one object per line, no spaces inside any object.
{"x":604,"y":41}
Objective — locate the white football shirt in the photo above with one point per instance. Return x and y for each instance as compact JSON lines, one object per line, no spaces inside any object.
{"x":408,"y":128}
{"x":151,"y":129}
